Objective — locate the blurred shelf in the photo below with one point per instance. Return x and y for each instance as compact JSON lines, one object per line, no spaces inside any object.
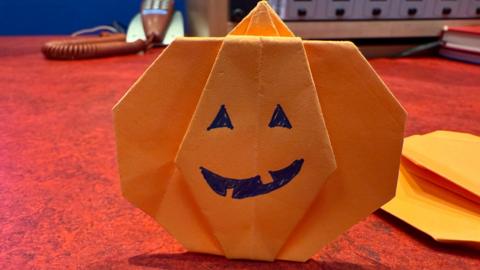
{"x":211,"y":18}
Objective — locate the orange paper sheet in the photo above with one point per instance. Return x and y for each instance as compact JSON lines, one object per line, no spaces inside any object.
{"x":258,"y":145}
{"x":437,"y":188}
{"x":452,"y":158}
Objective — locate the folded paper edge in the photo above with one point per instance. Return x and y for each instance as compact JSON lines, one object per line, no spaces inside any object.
{"x":262,"y":9}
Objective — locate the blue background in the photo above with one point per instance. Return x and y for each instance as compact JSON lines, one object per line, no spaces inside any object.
{"x":36,"y":17}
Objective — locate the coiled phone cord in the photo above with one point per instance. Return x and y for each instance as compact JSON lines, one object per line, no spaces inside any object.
{"x":85,"y":48}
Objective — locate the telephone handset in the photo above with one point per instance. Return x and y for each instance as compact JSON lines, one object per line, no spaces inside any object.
{"x":156,"y":16}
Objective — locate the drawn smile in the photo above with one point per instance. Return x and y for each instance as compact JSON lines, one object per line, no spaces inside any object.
{"x":250,"y":187}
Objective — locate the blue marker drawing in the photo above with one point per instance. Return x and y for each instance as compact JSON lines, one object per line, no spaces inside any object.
{"x":251,"y":187}
{"x":279,"y":118}
{"x":221,"y":120}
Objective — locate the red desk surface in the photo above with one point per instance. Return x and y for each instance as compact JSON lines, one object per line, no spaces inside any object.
{"x":60,"y":200}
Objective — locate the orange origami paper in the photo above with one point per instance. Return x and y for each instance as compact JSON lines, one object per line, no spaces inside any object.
{"x":258,"y":145}
{"x":439,"y":186}
{"x":452,"y":159}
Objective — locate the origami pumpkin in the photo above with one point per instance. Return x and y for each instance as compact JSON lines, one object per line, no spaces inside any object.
{"x":258,"y":145}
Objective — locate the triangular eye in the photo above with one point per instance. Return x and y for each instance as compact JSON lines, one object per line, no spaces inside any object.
{"x":221,"y":120}
{"x":279,"y":118}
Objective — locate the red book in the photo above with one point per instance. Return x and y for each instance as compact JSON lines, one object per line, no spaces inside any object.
{"x":470,"y":30}
{"x":464,"y":38}
{"x":461,"y":43}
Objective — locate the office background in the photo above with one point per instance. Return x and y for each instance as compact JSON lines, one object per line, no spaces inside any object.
{"x":56,"y":17}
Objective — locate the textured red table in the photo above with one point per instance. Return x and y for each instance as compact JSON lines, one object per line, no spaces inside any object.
{"x":60,"y":200}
